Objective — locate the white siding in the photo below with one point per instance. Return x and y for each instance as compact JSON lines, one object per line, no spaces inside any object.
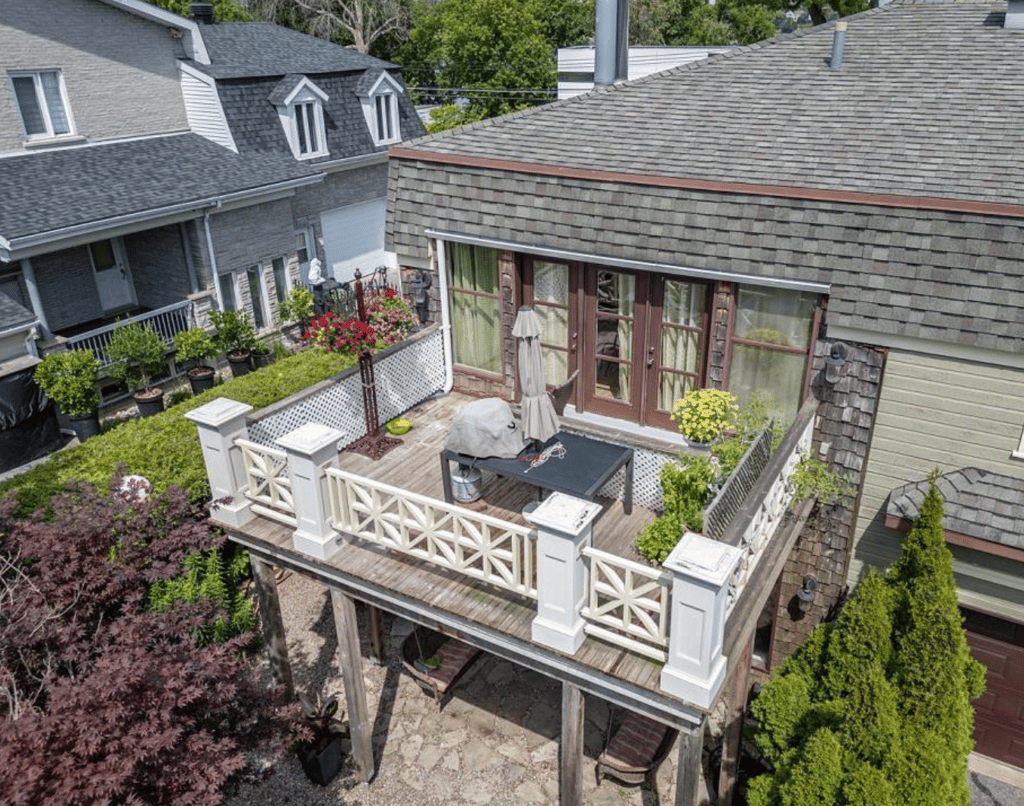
{"x":576,"y":64}
{"x":949,"y":414}
{"x":354,"y":238}
{"x":203,"y":108}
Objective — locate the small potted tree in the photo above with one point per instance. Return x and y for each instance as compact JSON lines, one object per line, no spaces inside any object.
{"x":235,"y":338}
{"x":703,"y":414}
{"x":297,"y":309}
{"x":137,"y":354}
{"x":319,"y":738}
{"x":195,"y":346}
{"x":69,"y":379}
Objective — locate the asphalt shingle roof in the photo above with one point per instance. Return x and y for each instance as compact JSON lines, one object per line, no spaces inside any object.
{"x":240,"y":49}
{"x":73,"y":186}
{"x":988,"y":506}
{"x":928,"y":102}
{"x":13,"y":313}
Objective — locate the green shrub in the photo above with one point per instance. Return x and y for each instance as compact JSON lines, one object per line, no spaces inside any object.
{"x":137,"y":354}
{"x":234,"y":331}
{"x":194,"y":345}
{"x":685,"y":490}
{"x":813,"y":477}
{"x":165,"y":448}
{"x":297,"y":306}
{"x":69,"y":378}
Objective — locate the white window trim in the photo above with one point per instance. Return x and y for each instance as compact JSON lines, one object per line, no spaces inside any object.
{"x":305,"y":92}
{"x":384,"y":85}
{"x":35,"y":75}
{"x":1019,"y":453}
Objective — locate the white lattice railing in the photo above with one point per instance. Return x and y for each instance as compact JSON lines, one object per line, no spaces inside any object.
{"x":267,"y":484}
{"x":167,"y":322}
{"x":628,"y":604}
{"x":479,"y":546}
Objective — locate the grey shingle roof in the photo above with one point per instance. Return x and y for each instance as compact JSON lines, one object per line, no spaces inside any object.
{"x":283,"y":88}
{"x":13,"y":313}
{"x":67,"y":187}
{"x":988,"y":506}
{"x":263,"y":49}
{"x":928,"y":102}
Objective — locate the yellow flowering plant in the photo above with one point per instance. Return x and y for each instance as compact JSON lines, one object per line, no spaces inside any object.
{"x":703,"y":414}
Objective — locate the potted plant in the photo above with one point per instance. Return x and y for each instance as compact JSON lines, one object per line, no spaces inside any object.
{"x":194,"y":346}
{"x":297,"y":309}
{"x":703,"y":414}
{"x":235,"y":338}
{"x":320,"y":735}
{"x":69,"y":379}
{"x":262,"y":354}
{"x":137,"y":354}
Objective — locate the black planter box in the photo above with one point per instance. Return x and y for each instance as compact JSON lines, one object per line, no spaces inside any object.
{"x":321,"y":768}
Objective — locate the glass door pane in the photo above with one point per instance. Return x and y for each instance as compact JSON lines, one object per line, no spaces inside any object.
{"x":551,"y":302}
{"x":615,"y":327}
{"x":675,"y":345}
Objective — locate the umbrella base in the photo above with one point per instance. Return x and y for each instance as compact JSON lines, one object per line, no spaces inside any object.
{"x":373,"y":446}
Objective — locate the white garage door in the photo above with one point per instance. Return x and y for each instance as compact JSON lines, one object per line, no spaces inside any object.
{"x":354,"y":238}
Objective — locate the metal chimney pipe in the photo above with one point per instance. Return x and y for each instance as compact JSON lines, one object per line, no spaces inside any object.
{"x":611,"y":42}
{"x":838,"y":42}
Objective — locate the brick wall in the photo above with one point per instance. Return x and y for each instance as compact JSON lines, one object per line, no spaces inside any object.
{"x":158,"y":266}
{"x":120,"y":71}
{"x":842,"y":435}
{"x":67,"y":287}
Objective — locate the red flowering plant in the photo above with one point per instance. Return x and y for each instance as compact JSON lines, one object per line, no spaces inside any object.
{"x":391,"y":316}
{"x":336,"y":335}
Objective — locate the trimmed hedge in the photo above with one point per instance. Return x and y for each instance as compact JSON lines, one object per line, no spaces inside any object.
{"x":165,"y":448}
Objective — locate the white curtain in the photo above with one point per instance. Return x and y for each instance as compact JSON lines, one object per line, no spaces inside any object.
{"x":476,"y":319}
{"x":550,"y":288}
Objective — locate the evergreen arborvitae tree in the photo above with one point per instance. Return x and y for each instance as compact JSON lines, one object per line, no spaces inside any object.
{"x":874,"y":709}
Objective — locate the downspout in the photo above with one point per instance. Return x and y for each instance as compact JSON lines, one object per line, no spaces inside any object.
{"x":213,"y":257}
{"x":446,"y":322}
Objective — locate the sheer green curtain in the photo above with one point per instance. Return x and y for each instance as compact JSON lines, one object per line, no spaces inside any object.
{"x":551,"y":302}
{"x":476,"y":310}
{"x":627,"y":306}
{"x":682,"y":309}
{"x":774,"y":318}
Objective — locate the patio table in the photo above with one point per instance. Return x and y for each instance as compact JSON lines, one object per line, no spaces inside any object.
{"x":584,"y":469}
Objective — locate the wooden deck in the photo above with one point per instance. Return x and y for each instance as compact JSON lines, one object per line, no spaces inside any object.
{"x":495,"y":620}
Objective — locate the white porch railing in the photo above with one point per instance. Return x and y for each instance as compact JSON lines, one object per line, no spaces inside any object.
{"x":628,"y":604}
{"x":167,"y":322}
{"x":266,"y":482}
{"x":493,"y":550}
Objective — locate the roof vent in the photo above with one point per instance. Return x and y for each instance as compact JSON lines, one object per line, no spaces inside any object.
{"x":202,"y":12}
{"x":1014,"y":15}
{"x":838,"y":42}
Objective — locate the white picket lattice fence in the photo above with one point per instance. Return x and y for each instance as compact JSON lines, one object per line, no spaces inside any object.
{"x":628,"y":604}
{"x":267,"y":483}
{"x":489,"y":549}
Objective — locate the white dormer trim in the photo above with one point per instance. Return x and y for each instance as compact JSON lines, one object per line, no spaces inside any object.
{"x":203,"y":108}
{"x":191,"y":38}
{"x":380,"y":109}
{"x":302,"y":117}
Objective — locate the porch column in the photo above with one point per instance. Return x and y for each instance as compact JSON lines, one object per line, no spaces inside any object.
{"x":311,"y":449}
{"x":689,"y":772}
{"x":29,"y":275}
{"x":377,"y":639}
{"x":272,"y":624}
{"x":221,"y":422}
{"x":349,"y":659}
{"x":732,"y":734}
{"x":695,"y":667}
{"x":564,"y":529}
{"x":570,"y":765}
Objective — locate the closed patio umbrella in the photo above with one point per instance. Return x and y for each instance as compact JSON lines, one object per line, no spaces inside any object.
{"x":540,"y":422}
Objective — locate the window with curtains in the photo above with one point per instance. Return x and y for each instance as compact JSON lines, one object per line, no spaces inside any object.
{"x":683,"y":317}
{"x":551,"y":302}
{"x":771,"y":345}
{"x":476,"y":307}
{"x":41,"y":103}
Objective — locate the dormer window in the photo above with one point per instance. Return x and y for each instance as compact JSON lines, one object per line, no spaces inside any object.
{"x":378,"y":92}
{"x":300,"y":108}
{"x":42,"y":103}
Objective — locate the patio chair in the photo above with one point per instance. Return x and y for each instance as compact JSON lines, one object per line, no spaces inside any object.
{"x":635,"y":750}
{"x":451,"y":656}
{"x":560,"y":394}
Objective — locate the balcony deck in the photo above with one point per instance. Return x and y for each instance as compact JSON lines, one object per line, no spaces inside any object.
{"x":497,"y":620}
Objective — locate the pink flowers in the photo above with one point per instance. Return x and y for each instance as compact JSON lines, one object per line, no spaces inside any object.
{"x":341,"y":336}
{"x":390,"y":319}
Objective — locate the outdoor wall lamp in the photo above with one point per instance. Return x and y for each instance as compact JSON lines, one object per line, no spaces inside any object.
{"x":834,"y":362}
{"x":807,"y":594}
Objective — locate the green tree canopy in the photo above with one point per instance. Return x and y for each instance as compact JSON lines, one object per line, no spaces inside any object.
{"x":875,"y":707}
{"x":223,"y":10}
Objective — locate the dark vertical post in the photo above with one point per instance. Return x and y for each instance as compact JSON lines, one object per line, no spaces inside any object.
{"x":377,"y":643}
{"x":360,"y":726}
{"x":689,"y":775}
{"x":366,"y":369}
{"x":570,"y":783}
{"x":360,"y":302}
{"x":739,"y":684}
{"x":272,"y":623}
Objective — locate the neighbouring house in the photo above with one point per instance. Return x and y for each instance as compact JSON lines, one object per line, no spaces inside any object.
{"x":576,"y":64}
{"x":833,"y":215}
{"x":159,"y":166}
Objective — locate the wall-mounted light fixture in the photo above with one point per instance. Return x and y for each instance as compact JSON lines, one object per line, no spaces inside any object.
{"x":835,"y":361}
{"x":807,"y":594}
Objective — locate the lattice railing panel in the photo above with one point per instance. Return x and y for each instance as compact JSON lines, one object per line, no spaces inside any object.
{"x":409,"y":375}
{"x":489,"y":549}
{"x":267,"y":482}
{"x":730,"y":498}
{"x":647,"y":466}
{"x":628,"y":603}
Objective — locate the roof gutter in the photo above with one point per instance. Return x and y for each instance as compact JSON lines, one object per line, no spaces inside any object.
{"x":36,"y":239}
{"x":715,"y":186}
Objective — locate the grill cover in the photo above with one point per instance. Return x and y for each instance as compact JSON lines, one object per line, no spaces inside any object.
{"x":485,"y":428}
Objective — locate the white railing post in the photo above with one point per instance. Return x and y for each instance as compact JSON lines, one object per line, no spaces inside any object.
{"x":221,"y":422}
{"x":701,"y":567}
{"x":311,"y":449}
{"x":564,"y":529}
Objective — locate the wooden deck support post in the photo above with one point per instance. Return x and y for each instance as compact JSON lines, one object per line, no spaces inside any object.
{"x":689,"y":772}
{"x":221,"y":422}
{"x":311,"y":449}
{"x":732,"y":734}
{"x":272,"y":624}
{"x":350,"y":660}
{"x":377,"y":638}
{"x":570,"y":768}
